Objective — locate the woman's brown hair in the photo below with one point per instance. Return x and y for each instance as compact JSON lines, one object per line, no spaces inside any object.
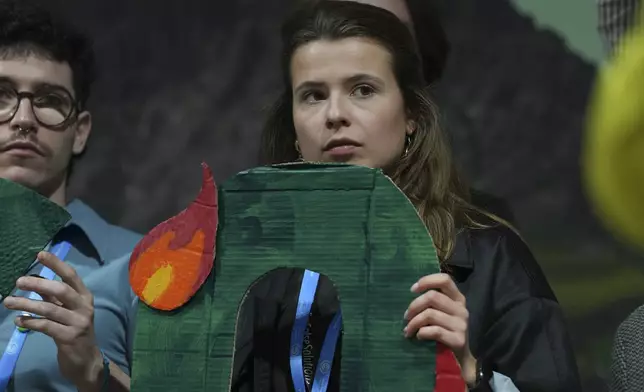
{"x":426,"y":172}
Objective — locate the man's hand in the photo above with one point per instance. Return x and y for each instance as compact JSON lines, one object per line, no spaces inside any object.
{"x":67,"y":316}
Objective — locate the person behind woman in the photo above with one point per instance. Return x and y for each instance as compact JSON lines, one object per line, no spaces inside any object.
{"x":353,"y":93}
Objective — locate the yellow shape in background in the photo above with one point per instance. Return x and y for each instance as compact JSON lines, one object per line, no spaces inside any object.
{"x":613,"y":156}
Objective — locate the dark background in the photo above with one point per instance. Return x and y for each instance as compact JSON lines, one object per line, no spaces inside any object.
{"x":186,"y":81}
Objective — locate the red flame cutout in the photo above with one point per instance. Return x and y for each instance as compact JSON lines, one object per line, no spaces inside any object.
{"x":448,"y":371}
{"x":169,"y":265}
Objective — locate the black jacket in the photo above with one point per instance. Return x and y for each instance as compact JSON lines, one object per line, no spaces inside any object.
{"x":515,"y":324}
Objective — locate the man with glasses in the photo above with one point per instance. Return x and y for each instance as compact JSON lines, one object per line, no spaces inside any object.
{"x":81,"y":341}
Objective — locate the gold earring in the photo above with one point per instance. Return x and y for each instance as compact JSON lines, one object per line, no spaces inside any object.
{"x":407,"y":145}
{"x":411,"y":130}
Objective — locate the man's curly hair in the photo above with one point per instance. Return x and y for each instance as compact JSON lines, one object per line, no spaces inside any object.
{"x":28,"y":27}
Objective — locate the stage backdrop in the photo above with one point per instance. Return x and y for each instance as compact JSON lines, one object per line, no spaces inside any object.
{"x":186,"y":81}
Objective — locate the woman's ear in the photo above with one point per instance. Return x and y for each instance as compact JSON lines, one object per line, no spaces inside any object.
{"x":411,"y":127}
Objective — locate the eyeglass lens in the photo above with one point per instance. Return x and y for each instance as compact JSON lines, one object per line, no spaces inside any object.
{"x":50,"y":107}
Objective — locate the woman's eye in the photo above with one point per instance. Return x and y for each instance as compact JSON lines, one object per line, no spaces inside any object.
{"x":313,"y":96}
{"x":363,"y":91}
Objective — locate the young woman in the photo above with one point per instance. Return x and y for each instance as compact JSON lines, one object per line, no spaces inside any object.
{"x":353,"y":93}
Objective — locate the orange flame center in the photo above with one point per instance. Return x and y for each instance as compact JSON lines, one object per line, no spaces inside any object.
{"x":165,"y":278}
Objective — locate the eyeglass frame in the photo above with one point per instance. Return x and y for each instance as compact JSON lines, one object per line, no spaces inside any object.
{"x":76,"y":107}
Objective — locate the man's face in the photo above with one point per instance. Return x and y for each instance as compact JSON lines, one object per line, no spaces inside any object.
{"x":33,"y":153}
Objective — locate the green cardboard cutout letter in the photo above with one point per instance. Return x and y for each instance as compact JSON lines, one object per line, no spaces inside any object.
{"x":28,"y":222}
{"x":349,"y":223}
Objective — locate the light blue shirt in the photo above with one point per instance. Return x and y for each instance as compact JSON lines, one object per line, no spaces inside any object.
{"x":100,"y":255}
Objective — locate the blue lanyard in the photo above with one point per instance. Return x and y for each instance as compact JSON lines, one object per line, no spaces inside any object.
{"x":17,"y":341}
{"x":323,"y":371}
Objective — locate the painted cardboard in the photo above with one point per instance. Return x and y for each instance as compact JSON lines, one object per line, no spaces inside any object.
{"x":28,"y":222}
{"x":349,"y":223}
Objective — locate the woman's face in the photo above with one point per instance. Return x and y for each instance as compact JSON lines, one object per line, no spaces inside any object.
{"x":347,"y":106}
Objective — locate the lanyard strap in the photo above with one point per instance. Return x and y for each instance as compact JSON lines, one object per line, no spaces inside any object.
{"x":325,"y":362}
{"x":17,"y":341}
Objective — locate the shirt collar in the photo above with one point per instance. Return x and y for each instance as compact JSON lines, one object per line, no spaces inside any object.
{"x":91,"y":224}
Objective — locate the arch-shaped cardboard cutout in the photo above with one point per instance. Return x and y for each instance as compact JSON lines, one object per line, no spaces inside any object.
{"x":349,"y":223}
{"x":28,"y":222}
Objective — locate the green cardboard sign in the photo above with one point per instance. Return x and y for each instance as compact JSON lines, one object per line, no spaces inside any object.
{"x":349,"y":223}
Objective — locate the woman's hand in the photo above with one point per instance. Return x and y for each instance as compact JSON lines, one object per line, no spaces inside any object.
{"x":439,"y":314}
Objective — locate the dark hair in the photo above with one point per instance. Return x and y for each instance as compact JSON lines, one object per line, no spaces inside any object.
{"x":426,"y":173}
{"x":430,"y":36}
{"x":28,"y":27}
{"x":431,"y":39}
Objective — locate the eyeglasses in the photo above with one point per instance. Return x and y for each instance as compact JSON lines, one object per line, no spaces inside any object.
{"x":52,"y":107}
